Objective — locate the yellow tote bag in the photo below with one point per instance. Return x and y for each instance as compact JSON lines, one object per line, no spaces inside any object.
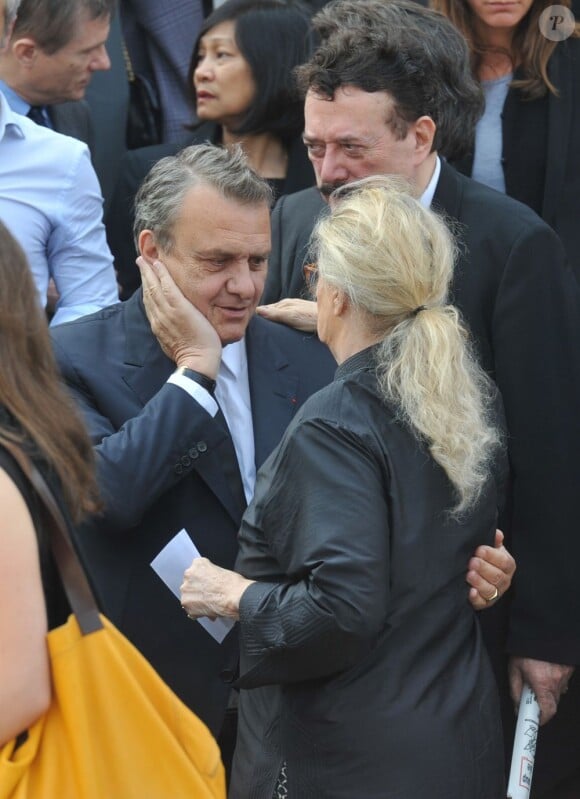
{"x":114,"y":729}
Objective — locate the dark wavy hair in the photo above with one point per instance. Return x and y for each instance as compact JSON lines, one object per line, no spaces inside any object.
{"x":414,"y":54}
{"x":30,"y":387}
{"x":530,"y":51}
{"x":273,"y":37}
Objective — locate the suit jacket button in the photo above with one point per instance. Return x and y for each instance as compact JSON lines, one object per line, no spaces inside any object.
{"x":202,"y":446}
{"x":178,"y":469}
{"x":186,"y":461}
{"x":228,"y":675}
{"x":193,"y":453}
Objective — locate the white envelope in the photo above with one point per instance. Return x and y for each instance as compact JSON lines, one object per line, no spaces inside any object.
{"x":171,"y":562}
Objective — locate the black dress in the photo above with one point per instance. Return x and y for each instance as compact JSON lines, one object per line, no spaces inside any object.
{"x":362,"y":664}
{"x":57,"y":606}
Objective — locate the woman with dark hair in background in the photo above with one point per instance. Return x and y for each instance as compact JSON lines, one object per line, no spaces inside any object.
{"x":242,"y":79}
{"x":243,"y":90}
{"x":37,"y":415}
{"x":526,"y":143}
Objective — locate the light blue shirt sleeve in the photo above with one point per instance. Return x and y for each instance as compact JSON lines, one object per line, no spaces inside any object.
{"x":78,"y":257}
{"x":51,"y":202}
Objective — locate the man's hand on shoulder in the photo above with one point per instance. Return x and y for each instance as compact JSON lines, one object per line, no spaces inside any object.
{"x":490,"y":573}
{"x":299,"y":314}
{"x":549,"y":681}
{"x":183,"y":332}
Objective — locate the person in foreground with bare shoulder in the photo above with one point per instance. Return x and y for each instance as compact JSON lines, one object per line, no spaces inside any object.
{"x":37,"y":415}
{"x":366,"y":665}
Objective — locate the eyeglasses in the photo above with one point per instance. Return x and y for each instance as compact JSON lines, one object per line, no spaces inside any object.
{"x":310,"y":276}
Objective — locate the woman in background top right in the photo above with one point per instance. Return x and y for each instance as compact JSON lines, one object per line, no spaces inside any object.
{"x":527,"y":141}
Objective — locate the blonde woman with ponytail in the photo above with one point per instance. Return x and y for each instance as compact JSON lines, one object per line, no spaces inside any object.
{"x":369,"y":677}
{"x":395,"y":285}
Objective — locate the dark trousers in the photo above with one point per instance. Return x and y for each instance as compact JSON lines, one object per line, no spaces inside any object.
{"x":227,"y":740}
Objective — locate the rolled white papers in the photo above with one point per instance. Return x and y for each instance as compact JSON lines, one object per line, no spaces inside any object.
{"x":524,"y":751}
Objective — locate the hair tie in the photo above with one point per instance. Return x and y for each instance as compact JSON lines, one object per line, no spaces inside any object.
{"x":418,"y":309}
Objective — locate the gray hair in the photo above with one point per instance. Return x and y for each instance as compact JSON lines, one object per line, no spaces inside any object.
{"x":53,"y":23}
{"x":160,"y":197}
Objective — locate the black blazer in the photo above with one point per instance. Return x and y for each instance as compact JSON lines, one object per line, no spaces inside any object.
{"x":160,"y":470}
{"x":385,"y":690}
{"x":541,"y":154}
{"x":522,"y":306}
{"x":135,"y":166}
{"x":73,"y":119}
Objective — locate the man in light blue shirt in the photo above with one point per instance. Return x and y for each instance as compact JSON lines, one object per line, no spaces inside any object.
{"x":51,"y":202}
{"x":55,"y":47}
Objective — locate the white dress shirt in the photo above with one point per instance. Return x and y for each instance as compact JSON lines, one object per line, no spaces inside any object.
{"x":427,"y":197}
{"x":51,"y":202}
{"x":233,"y":395}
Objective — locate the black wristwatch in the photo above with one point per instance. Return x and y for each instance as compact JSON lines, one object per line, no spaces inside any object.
{"x":202,"y":380}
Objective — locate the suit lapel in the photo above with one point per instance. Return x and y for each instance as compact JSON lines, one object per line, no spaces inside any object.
{"x":273,"y":387}
{"x":146,"y":369}
{"x":448,"y":193}
{"x":146,"y":365}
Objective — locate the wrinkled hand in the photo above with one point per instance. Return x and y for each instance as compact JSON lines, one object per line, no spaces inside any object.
{"x":299,"y":314}
{"x":548,"y":681}
{"x":209,"y":590}
{"x":183,"y":332}
{"x":490,"y":568}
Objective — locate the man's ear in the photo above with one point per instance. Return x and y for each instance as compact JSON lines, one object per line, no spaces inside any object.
{"x":424,"y":134}
{"x":148,"y":246}
{"x":25,"y":51}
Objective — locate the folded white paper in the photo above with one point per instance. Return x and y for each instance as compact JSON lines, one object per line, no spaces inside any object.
{"x":171,"y":562}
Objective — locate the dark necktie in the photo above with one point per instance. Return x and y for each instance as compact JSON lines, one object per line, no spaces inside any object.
{"x":37,"y":113}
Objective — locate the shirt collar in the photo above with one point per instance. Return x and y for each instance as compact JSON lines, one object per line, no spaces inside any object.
{"x":234,"y":358}
{"x":427,"y":197}
{"x":15,"y":101}
{"x":9,"y":119}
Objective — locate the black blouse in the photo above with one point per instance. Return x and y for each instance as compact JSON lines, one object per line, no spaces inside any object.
{"x":57,"y":606}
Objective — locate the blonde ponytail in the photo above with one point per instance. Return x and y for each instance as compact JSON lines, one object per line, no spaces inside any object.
{"x":426,"y":370}
{"x":394,"y":260}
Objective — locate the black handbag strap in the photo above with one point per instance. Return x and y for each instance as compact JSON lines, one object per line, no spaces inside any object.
{"x":74,"y":580}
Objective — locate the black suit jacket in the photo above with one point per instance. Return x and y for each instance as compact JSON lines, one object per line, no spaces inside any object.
{"x":73,"y":119}
{"x":522,"y":306}
{"x":541,"y":155}
{"x":160,"y":470}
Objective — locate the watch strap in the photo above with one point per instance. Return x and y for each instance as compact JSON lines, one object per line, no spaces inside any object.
{"x":202,"y":380}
